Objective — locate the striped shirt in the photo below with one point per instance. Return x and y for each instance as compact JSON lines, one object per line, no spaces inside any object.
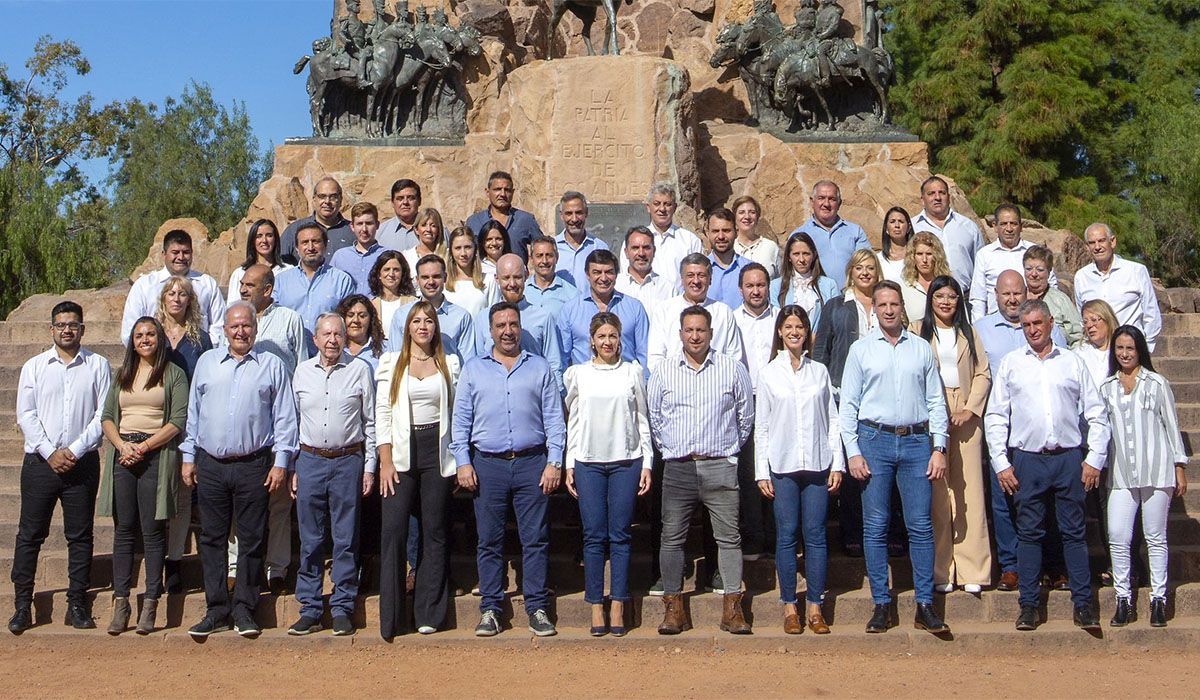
{"x":1146,"y":443}
{"x":707,"y":411}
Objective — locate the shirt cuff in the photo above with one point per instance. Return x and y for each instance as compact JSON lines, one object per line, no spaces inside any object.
{"x":462,"y":458}
{"x":940,"y":440}
{"x":77,"y":448}
{"x":45,"y":449}
{"x":851,"y":445}
{"x":283,"y":459}
{"x":1096,"y":460}
{"x":555,"y":455}
{"x":999,"y":465}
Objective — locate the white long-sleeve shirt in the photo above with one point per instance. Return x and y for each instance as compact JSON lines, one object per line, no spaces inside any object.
{"x":961,"y":239}
{"x":664,"y":339}
{"x":758,"y":334}
{"x":607,"y":419}
{"x":670,"y":248}
{"x":143,"y":301}
{"x":796,"y":420}
{"x":1051,"y":395}
{"x":59,"y":404}
{"x":1127,"y":289}
{"x":992,"y":260}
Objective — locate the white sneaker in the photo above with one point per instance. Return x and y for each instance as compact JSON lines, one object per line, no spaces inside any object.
{"x":943,"y":587}
{"x":426,"y":629}
{"x":973,"y":588}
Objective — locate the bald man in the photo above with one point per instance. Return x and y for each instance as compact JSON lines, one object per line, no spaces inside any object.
{"x":280,"y":330}
{"x":538,"y":333}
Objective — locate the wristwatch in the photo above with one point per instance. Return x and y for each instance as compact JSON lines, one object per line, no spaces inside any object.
{"x":556,"y":465}
{"x":939,"y":448}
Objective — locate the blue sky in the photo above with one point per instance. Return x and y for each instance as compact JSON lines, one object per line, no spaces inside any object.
{"x":151,"y":49}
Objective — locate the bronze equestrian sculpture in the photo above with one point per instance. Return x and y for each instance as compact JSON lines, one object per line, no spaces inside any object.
{"x":585,"y":10}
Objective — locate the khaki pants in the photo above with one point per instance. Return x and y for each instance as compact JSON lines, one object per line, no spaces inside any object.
{"x":962,"y":551}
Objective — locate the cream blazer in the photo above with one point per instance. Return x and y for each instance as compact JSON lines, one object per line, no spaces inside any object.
{"x":393,"y":422}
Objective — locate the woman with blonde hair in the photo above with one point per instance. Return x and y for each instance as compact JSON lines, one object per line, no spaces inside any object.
{"x":467,"y":285}
{"x":412,"y":425}
{"x":924,"y":259}
{"x":749,"y":243}
{"x":1099,"y":324}
{"x":431,"y":238}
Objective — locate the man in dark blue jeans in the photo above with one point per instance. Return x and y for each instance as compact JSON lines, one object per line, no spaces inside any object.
{"x":891,"y":405}
{"x":508,"y":435}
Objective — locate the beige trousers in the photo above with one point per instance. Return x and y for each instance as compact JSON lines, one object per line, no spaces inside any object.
{"x":962,"y":548}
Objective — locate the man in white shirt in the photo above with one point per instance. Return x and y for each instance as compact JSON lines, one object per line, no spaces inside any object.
{"x":664,"y":342}
{"x":1124,"y":284}
{"x":960,"y":237}
{"x":1007,"y":252}
{"x":398,"y":233}
{"x":672,"y":242}
{"x":1041,"y":397}
{"x":639,"y":280}
{"x":177,"y":262}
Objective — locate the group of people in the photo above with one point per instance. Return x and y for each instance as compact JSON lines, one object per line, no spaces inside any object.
{"x":356,"y":362}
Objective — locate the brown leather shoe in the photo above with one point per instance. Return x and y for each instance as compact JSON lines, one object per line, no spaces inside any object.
{"x":816,"y":623}
{"x":732,"y":619}
{"x":1060,"y":582}
{"x":674,"y":618}
{"x":1008,"y":581}
{"x":792,"y":624}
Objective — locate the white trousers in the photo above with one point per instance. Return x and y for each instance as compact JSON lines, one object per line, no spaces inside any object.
{"x":1122,"y":509}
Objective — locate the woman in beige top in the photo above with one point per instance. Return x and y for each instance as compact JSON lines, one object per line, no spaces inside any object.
{"x":144,"y":414}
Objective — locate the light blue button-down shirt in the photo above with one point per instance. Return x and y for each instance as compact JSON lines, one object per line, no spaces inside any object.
{"x":553,"y":297}
{"x":573,"y":263}
{"x":893,"y":385}
{"x":575,"y":321}
{"x":496,"y":410}
{"x":834,"y":247}
{"x":312,"y":297}
{"x":538,"y":336}
{"x":458,"y":330}
{"x":237,"y":408}
{"x":725,"y":281}
{"x":358,"y":264}
{"x":999,"y":337}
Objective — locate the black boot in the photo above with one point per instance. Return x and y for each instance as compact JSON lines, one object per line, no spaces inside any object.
{"x":927,"y":619}
{"x":1125,"y":613}
{"x":21,"y":620}
{"x":1158,"y":612}
{"x":880,"y":621}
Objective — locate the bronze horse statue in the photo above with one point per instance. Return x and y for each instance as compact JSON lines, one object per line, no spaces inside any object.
{"x":585,"y":10}
{"x":800,"y":72}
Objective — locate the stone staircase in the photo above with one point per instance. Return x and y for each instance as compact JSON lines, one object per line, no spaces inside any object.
{"x":988,"y":616}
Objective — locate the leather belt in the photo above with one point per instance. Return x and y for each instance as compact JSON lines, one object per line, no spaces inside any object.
{"x":252,"y":457}
{"x":513,"y":454}
{"x":900,"y":430}
{"x":698,"y":458}
{"x":1050,"y":452}
{"x":335,"y":453}
{"x":135,"y":438}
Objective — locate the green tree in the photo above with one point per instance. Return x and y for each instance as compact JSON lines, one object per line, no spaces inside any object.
{"x":192,"y":157}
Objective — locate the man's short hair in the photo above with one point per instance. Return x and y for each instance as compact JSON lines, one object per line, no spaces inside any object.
{"x":639,"y":229}
{"x":432,"y":258}
{"x":886,"y":284}
{"x":695,"y":310}
{"x":330,"y":315}
{"x":1039,"y":252}
{"x":500,"y":175}
{"x":1007,"y":206}
{"x":242,"y":304}
{"x":601,"y":256}
{"x":503,"y":306}
{"x":572,"y":195}
{"x":932,"y":179}
{"x":176,"y":236}
{"x":722,"y":213}
{"x":405,"y":184}
{"x":695,"y":259}
{"x":827,"y":183}
{"x":1030,"y":306}
{"x":67,"y":307}
{"x":753,"y":267}
{"x":544,"y":240}
{"x":1099,"y":225}
{"x":663,"y":188}
{"x":312,"y":226}
{"x":363,"y":208}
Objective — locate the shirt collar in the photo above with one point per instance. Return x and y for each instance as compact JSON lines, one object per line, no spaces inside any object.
{"x":588,"y":239}
{"x":1113,"y":267}
{"x":650,"y":278}
{"x":1054,"y":351}
{"x":252,"y":355}
{"x":616,"y":296}
{"x":669,"y":233}
{"x":525,"y":355}
{"x":52,"y":356}
{"x":836,"y":225}
{"x":767,"y":312}
{"x":338,"y":223}
{"x":558,"y":283}
{"x":682,"y":361}
{"x":375,"y":247}
{"x":876,"y":333}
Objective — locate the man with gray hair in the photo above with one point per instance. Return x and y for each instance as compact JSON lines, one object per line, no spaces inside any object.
{"x":240,"y":439}
{"x":334,"y":469}
{"x":1042,"y":407}
{"x":836,"y":239}
{"x":1124,"y":284}
{"x":574,"y":242}
{"x":664,"y":341}
{"x":672,"y":242}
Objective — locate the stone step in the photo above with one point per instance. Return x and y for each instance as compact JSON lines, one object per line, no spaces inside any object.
{"x":1178,"y":369}
{"x":1177,"y":346}
{"x":1181,"y":324}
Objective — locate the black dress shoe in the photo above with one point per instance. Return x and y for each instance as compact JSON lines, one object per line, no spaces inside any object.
{"x":927,"y":619}
{"x":1124,"y":614}
{"x":880,"y":620}
{"x":1028,"y":620}
{"x":79,"y":617}
{"x":1087,"y":619}
{"x":21,"y":620}
{"x":1158,"y":612}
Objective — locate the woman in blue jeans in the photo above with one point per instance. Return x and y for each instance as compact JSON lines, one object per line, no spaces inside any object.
{"x":798,"y":460}
{"x":608,"y":463}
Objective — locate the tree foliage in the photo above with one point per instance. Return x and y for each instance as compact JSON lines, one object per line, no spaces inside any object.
{"x":1079,"y":110}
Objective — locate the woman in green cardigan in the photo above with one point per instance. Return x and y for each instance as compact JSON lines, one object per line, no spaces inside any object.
{"x":144,"y":417}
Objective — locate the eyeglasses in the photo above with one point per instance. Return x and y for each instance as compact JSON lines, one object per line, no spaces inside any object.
{"x":70,"y":325}
{"x":328,"y":197}
{"x":951,"y":298}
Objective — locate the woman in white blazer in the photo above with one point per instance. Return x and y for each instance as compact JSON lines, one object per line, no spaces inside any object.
{"x":412,"y":424}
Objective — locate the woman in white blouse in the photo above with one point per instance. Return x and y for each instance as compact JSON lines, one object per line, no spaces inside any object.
{"x":1099,"y":322}
{"x":467,"y":285}
{"x":262,"y":248}
{"x":749,"y":243}
{"x":608,"y":464}
{"x":431,"y":239}
{"x":412,"y":423}
{"x":897,"y":232}
{"x":1146,"y":459}
{"x":798,"y":461}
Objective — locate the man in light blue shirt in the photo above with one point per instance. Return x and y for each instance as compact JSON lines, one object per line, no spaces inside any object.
{"x":727,"y":265}
{"x":891,"y":405}
{"x":836,"y":239}
{"x":575,"y":320}
{"x":538,"y":332}
{"x":546,"y":287}
{"x":358,"y":259}
{"x":574,"y":242}
{"x":458,"y":331}
{"x":508,"y":437}
{"x":242,"y":433}
{"x":314,"y":287}
{"x":1001,"y":332}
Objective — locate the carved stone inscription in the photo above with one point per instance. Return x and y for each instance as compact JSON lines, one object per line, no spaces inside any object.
{"x":605,"y":142}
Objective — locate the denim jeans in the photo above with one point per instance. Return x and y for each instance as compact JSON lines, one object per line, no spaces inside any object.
{"x":607,"y":494}
{"x":801,"y":499}
{"x":1046,"y":480}
{"x":902,"y":461}
{"x":327,"y":500}
{"x":519,"y":480}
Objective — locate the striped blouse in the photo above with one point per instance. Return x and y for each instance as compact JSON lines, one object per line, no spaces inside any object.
{"x":1146,"y":443}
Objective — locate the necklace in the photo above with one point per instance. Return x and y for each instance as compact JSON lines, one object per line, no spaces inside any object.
{"x":422,"y":359}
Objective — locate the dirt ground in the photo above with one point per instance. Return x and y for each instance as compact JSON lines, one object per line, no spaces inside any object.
{"x":79,"y":666}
